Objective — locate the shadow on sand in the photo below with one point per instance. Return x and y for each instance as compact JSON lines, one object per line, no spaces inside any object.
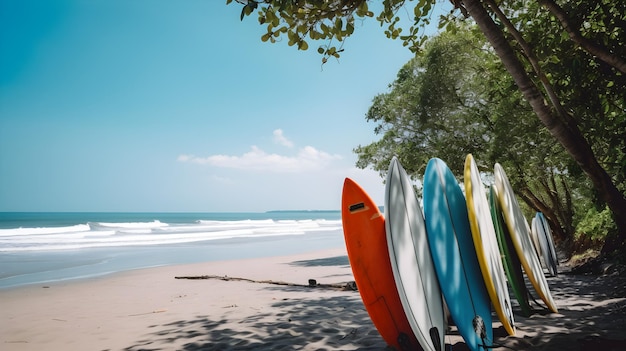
{"x":329,"y":261}
{"x":592,"y":317}
{"x":334,"y":323}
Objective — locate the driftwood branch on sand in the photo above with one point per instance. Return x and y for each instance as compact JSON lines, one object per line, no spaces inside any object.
{"x":349,"y":286}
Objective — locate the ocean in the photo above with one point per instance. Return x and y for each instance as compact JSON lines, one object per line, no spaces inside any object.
{"x":37,"y":248}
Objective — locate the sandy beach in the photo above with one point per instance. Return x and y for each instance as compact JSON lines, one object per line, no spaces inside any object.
{"x":267,"y":304}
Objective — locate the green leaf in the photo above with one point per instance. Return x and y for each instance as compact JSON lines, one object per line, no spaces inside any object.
{"x":349,"y":28}
{"x":303,"y":45}
{"x":247,"y":10}
{"x":362,"y":10}
{"x":325,"y":29}
{"x":338,"y":24}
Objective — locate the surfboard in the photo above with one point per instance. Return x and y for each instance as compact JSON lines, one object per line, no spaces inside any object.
{"x":519,"y":231}
{"x":534,"y":235}
{"x":454,"y":256}
{"x":411,"y":262}
{"x":548,"y":250}
{"x":512,"y":264}
{"x":366,"y":243}
{"x":540,"y":240}
{"x":486,"y":244}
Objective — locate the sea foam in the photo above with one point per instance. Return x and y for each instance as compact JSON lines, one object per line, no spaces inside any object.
{"x":110,"y":234}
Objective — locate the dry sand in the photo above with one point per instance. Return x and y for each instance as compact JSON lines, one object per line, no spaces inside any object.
{"x":151,"y":310}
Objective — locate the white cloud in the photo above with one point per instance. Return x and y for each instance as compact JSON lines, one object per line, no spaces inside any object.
{"x":222,"y":180}
{"x":307,"y":159}
{"x":185,"y":158}
{"x":279,"y":138}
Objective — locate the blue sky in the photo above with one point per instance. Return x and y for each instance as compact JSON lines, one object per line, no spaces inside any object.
{"x":163,"y":105}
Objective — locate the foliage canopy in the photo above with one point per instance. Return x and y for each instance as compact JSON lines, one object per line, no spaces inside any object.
{"x":566,"y":58}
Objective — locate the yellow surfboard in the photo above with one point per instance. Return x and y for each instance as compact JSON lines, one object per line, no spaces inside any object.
{"x":486,"y":244}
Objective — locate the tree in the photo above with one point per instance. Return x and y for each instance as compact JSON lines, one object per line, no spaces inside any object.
{"x":456,"y":98}
{"x":334,"y":20}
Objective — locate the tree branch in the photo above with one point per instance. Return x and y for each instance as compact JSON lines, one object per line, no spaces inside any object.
{"x":593,"y":48}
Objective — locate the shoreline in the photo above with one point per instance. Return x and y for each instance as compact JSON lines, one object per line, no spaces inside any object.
{"x":226,"y":265}
{"x":28,"y":268}
{"x":148,"y":309}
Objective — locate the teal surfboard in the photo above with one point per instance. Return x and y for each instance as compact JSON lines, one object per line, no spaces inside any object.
{"x":456,"y":264}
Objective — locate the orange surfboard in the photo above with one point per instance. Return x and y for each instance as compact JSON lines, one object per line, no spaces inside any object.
{"x":366,"y":243}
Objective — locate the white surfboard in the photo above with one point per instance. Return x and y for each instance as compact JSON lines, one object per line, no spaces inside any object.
{"x":411,"y":261}
{"x":534,"y":235}
{"x":547,"y":244}
{"x":520,"y":235}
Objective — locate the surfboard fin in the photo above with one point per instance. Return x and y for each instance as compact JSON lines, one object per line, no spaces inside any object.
{"x":434,"y":336}
{"x":479,"y":326}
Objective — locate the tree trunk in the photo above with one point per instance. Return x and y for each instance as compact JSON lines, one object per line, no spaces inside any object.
{"x":569,"y":226}
{"x":558,"y":219}
{"x":531,"y":200}
{"x":566,"y":134}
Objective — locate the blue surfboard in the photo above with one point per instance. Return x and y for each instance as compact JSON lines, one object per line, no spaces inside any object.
{"x":452,"y":248}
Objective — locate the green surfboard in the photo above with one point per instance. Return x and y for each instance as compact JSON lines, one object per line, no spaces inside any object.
{"x":512,"y":264}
